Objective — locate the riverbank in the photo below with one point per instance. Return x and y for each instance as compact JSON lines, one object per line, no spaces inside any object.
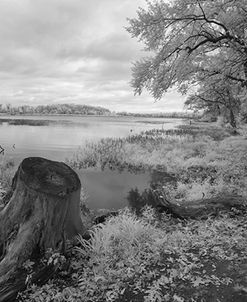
{"x":205,"y":159}
{"x":154,"y":257}
{"x":151,"y":258}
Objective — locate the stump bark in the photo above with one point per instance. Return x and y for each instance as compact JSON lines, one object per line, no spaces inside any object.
{"x":43,"y":211}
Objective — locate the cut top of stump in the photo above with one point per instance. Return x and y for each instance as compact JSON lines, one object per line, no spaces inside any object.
{"x":47,"y":176}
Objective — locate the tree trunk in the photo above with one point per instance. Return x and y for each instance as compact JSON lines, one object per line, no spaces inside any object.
{"x":203,"y":208}
{"x":245,"y":71}
{"x":232,"y":119}
{"x":42,"y":213}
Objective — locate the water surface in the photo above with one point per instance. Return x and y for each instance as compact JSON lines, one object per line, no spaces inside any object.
{"x":62,"y":135}
{"x":58,"y":137}
{"x":109,"y":189}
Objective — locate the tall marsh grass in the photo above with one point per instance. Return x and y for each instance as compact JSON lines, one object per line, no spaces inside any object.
{"x":205,"y":161}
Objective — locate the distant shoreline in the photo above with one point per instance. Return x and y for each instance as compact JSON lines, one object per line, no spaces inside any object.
{"x":86,"y":110}
{"x":136,"y":115}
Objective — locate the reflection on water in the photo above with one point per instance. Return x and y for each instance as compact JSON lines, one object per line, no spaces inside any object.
{"x":159,"y":177}
{"x":110,"y":189}
{"x":151,"y":196}
{"x":137,"y":200}
{"x":114,"y":190}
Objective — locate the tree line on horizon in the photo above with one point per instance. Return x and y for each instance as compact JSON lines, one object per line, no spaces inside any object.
{"x":84,"y":110}
{"x":54,"y":109}
{"x":185,"y":114}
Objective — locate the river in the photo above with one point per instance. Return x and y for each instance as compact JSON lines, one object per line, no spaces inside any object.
{"x":58,"y":137}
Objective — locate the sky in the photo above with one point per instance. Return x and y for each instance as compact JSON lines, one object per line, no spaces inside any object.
{"x":72,"y":51}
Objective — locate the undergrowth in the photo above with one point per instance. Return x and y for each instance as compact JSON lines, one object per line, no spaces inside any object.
{"x":132,"y":258}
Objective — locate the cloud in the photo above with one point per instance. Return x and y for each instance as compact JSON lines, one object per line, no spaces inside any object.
{"x":70,"y":51}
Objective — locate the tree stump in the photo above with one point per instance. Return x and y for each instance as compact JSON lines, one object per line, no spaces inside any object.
{"x":42,"y":213}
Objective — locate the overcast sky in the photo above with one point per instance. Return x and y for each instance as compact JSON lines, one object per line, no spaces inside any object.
{"x":72,"y":51}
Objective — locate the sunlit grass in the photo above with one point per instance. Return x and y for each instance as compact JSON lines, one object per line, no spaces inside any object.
{"x":141,"y":258}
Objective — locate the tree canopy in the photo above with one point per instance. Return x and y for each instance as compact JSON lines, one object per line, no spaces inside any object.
{"x":217,"y":97}
{"x":190,"y":42}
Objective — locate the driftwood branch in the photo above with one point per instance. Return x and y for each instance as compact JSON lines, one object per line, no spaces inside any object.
{"x":203,"y":208}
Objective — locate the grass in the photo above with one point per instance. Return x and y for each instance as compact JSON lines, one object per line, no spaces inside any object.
{"x":150,"y":149}
{"x":205,"y":160}
{"x":141,"y":258}
{"x":157,"y":258}
{"x":6,"y":175}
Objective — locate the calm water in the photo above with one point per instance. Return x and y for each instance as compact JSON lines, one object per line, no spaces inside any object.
{"x":57,"y":137}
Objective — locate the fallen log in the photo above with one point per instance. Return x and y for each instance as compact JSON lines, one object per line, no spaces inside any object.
{"x":197,"y":209}
{"x":42,"y":213}
{"x":204,"y":208}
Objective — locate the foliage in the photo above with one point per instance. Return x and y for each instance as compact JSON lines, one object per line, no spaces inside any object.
{"x":217,"y":98}
{"x":198,"y":45}
{"x":190,"y":41}
{"x":244,"y":112}
{"x":55,"y":109}
{"x":6,"y":174}
{"x":132,"y":258}
{"x":190,"y":115}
